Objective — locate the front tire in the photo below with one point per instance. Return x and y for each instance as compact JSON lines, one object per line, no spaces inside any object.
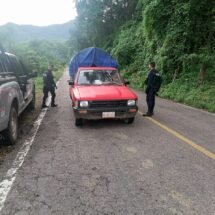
{"x":11,"y":133}
{"x":129,"y":120}
{"x":78,"y":122}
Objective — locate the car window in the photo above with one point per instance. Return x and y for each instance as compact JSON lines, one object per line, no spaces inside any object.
{"x":18,"y":69}
{"x":23,"y":67}
{"x":6,"y":63}
{"x":99,"y":77}
{"x":1,"y":66}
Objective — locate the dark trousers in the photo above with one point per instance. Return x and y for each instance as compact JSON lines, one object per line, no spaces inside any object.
{"x":46,"y":91}
{"x":150,"y":99}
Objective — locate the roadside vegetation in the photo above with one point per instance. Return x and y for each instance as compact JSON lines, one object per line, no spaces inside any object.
{"x":177,"y":35}
{"x":36,"y":55}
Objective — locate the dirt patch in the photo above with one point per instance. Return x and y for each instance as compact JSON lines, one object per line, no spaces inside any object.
{"x":4,"y":150}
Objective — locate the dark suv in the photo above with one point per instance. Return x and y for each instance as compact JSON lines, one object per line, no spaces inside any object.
{"x":17,"y":92}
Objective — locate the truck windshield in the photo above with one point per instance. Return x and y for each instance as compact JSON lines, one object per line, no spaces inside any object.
{"x":99,"y":77}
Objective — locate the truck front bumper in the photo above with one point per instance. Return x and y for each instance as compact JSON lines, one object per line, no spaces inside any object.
{"x":115,"y":113}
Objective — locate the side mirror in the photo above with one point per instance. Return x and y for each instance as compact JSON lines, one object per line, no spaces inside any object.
{"x":126,"y":82}
{"x":23,"y":79}
{"x":70,"y":82}
{"x":33,"y":74}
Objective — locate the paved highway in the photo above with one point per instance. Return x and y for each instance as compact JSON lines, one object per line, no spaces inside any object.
{"x":160,"y":165}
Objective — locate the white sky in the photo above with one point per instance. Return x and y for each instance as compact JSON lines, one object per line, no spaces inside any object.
{"x":37,"y":12}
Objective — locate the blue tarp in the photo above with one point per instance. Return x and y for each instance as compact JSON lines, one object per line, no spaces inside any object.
{"x":91,"y":57}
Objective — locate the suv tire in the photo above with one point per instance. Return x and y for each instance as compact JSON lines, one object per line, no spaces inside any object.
{"x":11,"y":133}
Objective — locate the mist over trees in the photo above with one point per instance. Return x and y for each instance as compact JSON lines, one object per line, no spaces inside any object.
{"x":37,"y":46}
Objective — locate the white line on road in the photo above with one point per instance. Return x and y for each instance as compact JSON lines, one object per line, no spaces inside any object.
{"x":7,"y":183}
{"x":10,"y":177}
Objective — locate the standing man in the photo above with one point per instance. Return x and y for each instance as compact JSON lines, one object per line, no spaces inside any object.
{"x":153,"y":83}
{"x":49,"y":86}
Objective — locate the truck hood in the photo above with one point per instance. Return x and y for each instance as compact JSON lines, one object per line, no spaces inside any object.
{"x":90,"y":93}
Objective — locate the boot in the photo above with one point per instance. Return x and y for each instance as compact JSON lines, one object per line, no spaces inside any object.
{"x":44,"y":106}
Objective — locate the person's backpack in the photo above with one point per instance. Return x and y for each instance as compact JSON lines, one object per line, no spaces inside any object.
{"x":157,"y":80}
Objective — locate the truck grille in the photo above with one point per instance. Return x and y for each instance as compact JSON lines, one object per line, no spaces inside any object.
{"x":108,"y":104}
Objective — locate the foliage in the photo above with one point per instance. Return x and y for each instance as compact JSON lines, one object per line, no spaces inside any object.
{"x":58,"y":72}
{"x":98,"y":20}
{"x":38,"y":54}
{"x":178,"y":35}
{"x":25,"y":41}
{"x":185,"y":90}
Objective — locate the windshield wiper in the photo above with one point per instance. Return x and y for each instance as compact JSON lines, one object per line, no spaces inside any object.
{"x":84,"y":84}
{"x":113,"y":82}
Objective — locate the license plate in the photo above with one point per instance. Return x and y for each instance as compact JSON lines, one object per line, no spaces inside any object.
{"x":108,"y":115}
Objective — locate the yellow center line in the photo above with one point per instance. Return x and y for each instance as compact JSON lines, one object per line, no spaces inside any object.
{"x":183,"y":138}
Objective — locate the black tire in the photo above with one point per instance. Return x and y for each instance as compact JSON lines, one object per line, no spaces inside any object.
{"x":129,"y":120}
{"x":78,"y":122}
{"x":11,"y":133}
{"x":31,"y":105}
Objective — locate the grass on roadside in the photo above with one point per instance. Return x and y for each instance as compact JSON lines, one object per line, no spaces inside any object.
{"x":39,"y":91}
{"x":184,"y":90}
{"x":39,"y":80}
{"x":188,"y":92}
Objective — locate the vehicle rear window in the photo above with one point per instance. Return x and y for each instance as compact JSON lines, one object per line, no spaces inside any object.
{"x":18,"y":69}
{"x":1,"y":66}
{"x":5,"y":63}
{"x":99,"y":77}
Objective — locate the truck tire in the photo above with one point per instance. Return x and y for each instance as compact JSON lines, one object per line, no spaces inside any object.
{"x":78,"y":122}
{"x":129,"y":120}
{"x":11,"y":133}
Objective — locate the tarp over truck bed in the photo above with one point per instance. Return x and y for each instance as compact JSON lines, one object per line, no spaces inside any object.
{"x":91,"y":57}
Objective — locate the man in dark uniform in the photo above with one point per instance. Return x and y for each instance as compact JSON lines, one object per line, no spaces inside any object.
{"x":49,"y":86}
{"x":150,"y":92}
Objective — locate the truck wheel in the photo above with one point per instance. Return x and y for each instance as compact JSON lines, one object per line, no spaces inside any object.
{"x":11,"y":132}
{"x":129,"y":120}
{"x":78,"y":122}
{"x":31,"y":105}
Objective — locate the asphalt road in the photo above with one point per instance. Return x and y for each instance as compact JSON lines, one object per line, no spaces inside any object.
{"x":160,"y":166}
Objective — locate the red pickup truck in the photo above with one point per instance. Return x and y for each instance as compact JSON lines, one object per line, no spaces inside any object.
{"x":100,"y":93}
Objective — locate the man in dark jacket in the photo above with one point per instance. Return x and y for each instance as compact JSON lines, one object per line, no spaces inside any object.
{"x":49,"y":86}
{"x":150,"y":92}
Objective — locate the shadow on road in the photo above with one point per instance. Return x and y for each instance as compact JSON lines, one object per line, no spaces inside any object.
{"x":106,"y":123}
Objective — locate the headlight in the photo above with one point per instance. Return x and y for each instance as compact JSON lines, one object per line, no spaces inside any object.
{"x":131,"y":102}
{"x":83,"y":103}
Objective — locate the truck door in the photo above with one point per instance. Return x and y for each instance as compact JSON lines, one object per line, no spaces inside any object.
{"x":29,"y":82}
{"x":23,"y":79}
{"x":2,"y":97}
{"x":5,"y":90}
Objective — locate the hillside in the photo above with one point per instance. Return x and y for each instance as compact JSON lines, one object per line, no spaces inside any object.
{"x":24,"y":33}
{"x":177,"y":35}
